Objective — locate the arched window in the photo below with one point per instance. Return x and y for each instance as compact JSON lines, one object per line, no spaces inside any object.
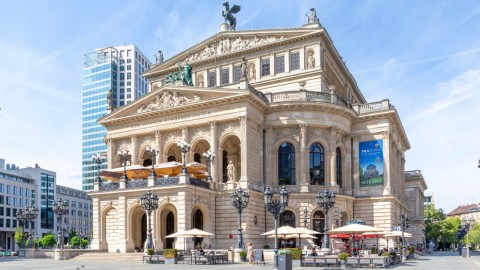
{"x":197,"y":157}
{"x":339,"y":167}
{"x":147,"y":163}
{"x":171,"y":158}
{"x":318,"y":225}
{"x":225,"y":164}
{"x":317,"y":164}
{"x":287,"y":218}
{"x":286,"y":164}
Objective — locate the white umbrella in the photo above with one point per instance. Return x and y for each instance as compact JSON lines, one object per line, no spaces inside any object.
{"x":398,"y":234}
{"x":189,"y":233}
{"x":284,"y":230}
{"x":354,"y":229}
{"x":289,"y":236}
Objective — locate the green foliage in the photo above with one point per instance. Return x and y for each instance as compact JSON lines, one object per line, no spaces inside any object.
{"x":75,"y":241}
{"x":18,"y":235}
{"x":284,"y":251}
{"x":48,"y":240}
{"x":343,"y":256}
{"x":150,"y":251}
{"x":373,"y":250}
{"x":243,"y":254}
{"x":83,"y":243}
{"x":170,"y":253}
{"x":385,"y":254}
{"x":296,"y":253}
{"x":72,"y":234}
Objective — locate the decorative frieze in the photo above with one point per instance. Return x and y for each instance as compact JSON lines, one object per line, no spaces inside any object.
{"x":174,"y":135}
{"x":121,"y":144}
{"x":203,"y":131}
{"x":229,"y":127}
{"x":144,"y":141}
{"x":317,"y":132}
{"x":287,"y":133}
{"x":167,"y":100}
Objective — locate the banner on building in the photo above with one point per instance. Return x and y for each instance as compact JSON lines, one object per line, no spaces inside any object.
{"x":371,"y":163}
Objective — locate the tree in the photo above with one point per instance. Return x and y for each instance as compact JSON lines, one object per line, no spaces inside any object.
{"x":72,"y":234}
{"x":84,"y":243}
{"x":48,"y":240}
{"x":18,"y":236}
{"x":75,"y":241}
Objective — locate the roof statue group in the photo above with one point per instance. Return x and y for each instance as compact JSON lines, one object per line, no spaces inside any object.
{"x":227,"y":14}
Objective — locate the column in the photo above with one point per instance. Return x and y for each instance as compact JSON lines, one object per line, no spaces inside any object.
{"x":333,"y":156}
{"x":356,"y":173}
{"x":188,"y":157}
{"x":133,"y":151}
{"x":269,"y":159}
{"x":110,"y":153}
{"x":387,"y":188}
{"x":158,"y":142}
{"x":122,"y":224}
{"x":213,"y":147}
{"x":303,"y":142}
{"x":244,"y":149}
{"x":347,"y":168}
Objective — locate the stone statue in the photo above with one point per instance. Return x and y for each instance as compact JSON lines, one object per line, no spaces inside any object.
{"x":187,"y":74}
{"x":159,"y":59}
{"x":231,"y":172}
{"x":313,"y":16}
{"x":227,"y":14}
{"x":252,"y":75}
{"x":244,"y":68}
{"x":110,"y":100}
{"x":310,"y":60}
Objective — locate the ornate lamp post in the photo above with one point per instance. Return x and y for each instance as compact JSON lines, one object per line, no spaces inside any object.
{"x":305,"y":212}
{"x":30,"y":214}
{"x":240,"y":200}
{"x":184,"y":148}
{"x":21,"y":222}
{"x":124,"y":156}
{"x":98,"y":159}
{"x":60,"y":208}
{"x":404,"y":225}
{"x":210,"y":156}
{"x":466,"y":223}
{"x":153,"y":151}
{"x":149,"y":202}
{"x":275,"y":207}
{"x":325,"y":200}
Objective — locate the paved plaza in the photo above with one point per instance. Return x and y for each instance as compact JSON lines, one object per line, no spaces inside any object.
{"x":437,"y":261}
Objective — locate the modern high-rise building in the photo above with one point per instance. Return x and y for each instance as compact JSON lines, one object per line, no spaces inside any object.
{"x":119,"y":69}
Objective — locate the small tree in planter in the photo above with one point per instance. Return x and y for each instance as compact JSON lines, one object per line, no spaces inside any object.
{"x":170,"y":256}
{"x":342,"y":257}
{"x":243,"y":256}
{"x":150,"y":251}
{"x":296,"y":256}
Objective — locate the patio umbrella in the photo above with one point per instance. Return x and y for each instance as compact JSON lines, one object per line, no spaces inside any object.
{"x":189,"y":233}
{"x":169,"y":168}
{"x":398,"y":234}
{"x":284,"y":230}
{"x":354,"y":230}
{"x":290,"y":236}
{"x":133,"y":172}
{"x":194,"y":167}
{"x":111,"y":175}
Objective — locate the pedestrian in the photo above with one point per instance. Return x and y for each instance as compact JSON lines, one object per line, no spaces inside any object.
{"x":250,"y":253}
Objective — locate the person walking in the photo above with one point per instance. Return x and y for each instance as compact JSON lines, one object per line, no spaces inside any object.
{"x":250,"y":253}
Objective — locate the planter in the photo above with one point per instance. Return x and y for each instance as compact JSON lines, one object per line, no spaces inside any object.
{"x":243,"y":259}
{"x":296,"y":263}
{"x":343,"y":263}
{"x":170,"y":260}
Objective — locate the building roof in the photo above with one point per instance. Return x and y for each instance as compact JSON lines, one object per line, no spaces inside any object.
{"x":462,"y":209}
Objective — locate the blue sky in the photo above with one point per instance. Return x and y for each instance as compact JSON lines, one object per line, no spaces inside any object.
{"x":422,"y":55}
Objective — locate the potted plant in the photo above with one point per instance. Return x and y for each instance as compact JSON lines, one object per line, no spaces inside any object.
{"x":243,"y":256}
{"x":342,"y":257}
{"x":150,"y":251}
{"x":296,"y":256}
{"x":170,"y":256}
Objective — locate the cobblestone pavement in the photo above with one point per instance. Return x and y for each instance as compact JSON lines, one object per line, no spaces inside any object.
{"x":436,"y":261}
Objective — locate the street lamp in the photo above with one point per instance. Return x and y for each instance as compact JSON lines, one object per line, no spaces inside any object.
{"x":153,"y":151}
{"x":210,"y":156}
{"x":240,"y":200}
{"x":98,"y":160}
{"x":60,"y":208}
{"x":31,"y":213}
{"x":149,"y":202}
{"x":325,"y":200}
{"x":21,"y":222}
{"x":184,"y":148}
{"x":404,"y":225}
{"x":275,"y":207}
{"x":124,"y":156}
{"x":305,"y":211}
{"x":466,"y":223}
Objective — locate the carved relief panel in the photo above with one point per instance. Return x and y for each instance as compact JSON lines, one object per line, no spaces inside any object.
{"x":287,"y":133}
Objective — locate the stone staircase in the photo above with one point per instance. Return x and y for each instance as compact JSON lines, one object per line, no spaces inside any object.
{"x":105,"y":256}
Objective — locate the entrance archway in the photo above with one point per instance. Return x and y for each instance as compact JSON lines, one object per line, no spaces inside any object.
{"x":318,"y":225}
{"x":138,"y":227}
{"x":231,"y":152}
{"x":197,"y":222}
{"x":170,"y":228}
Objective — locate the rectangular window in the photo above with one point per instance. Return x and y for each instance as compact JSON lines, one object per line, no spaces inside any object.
{"x":8,"y":223}
{"x":129,"y":76}
{"x":266,"y":67}
{"x":14,"y":201}
{"x":14,"y":223}
{"x":2,"y":199}
{"x":1,"y":222}
{"x":9,"y":211}
{"x":225,"y":76}
{"x":212,"y":78}
{"x":14,"y":190}
{"x":122,"y":76}
{"x":129,"y":67}
{"x":8,"y":200}
{"x":8,"y":189}
{"x":1,"y":188}
{"x":237,"y":73}
{"x":21,"y":191}
{"x":279,"y":64}
{"x":2,"y":211}
{"x":294,"y":60}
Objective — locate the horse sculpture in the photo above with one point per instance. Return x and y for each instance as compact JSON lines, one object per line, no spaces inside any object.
{"x":227,"y":14}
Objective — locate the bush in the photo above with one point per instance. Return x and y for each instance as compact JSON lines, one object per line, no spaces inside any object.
{"x":342,"y":256}
{"x":373,"y":250}
{"x":296,"y":253}
{"x":243,"y":254}
{"x":170,"y":253}
{"x":150,"y":251}
{"x":48,"y":240}
{"x":83,"y":243}
{"x":385,"y":254}
{"x":75,"y":241}
{"x":284,"y":251}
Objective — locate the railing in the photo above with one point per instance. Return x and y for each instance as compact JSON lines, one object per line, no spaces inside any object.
{"x":136,"y":184}
{"x":372,"y":107}
{"x":167,"y":181}
{"x":304,"y":95}
{"x":109,"y":186}
{"x":199,"y":183}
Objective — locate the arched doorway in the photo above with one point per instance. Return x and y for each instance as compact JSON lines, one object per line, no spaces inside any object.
{"x":318,"y":225}
{"x":287,"y":218}
{"x":197,"y":222}
{"x":170,"y":228}
{"x":231,"y":152}
{"x":137,"y":228}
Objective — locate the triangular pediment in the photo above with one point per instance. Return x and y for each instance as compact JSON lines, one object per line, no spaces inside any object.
{"x":172,"y":99}
{"x":231,"y":44}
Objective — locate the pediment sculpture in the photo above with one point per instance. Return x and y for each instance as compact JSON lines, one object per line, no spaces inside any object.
{"x":167,"y":100}
{"x":228,"y":45}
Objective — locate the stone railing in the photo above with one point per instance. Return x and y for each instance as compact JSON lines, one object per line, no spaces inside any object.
{"x":166,"y":181}
{"x":199,"y":183}
{"x":304,"y":95}
{"x":109,"y":186}
{"x":372,"y":107}
{"x":136,"y":184}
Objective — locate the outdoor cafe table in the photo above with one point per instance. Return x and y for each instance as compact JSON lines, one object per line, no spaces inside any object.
{"x":208,"y":258}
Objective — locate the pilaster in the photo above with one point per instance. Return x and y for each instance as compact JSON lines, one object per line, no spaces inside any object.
{"x":213,"y":147}
{"x":269,"y":155}
{"x":303,"y":156}
{"x":158,"y":142}
{"x":333,"y":156}
{"x":244,"y":149}
{"x":133,"y":153}
{"x":387,"y":189}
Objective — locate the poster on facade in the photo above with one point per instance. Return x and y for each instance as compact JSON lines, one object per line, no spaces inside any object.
{"x":371,"y":163}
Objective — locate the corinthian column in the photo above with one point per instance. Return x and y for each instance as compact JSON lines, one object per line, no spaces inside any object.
{"x":303,"y":142}
{"x":213,"y":147}
{"x":133,"y":153}
{"x":333,"y":156}
{"x":244,"y":148}
{"x":158,"y":142}
{"x":387,"y":188}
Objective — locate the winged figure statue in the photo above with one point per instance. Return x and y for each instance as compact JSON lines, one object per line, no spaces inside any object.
{"x":228,"y":12}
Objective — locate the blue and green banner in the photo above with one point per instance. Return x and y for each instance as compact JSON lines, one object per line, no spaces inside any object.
{"x":371,"y":163}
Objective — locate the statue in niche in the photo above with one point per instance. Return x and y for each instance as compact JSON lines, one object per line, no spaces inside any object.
{"x":252,"y":75}
{"x":310,"y":60}
{"x":244,"y":68}
{"x":227,"y":14}
{"x":231,"y":171}
{"x":313,"y":16}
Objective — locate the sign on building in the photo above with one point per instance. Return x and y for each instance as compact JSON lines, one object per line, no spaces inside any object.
{"x":371,"y":163}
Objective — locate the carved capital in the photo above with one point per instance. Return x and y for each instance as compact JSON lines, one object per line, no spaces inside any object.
{"x":158,"y":134}
{"x":385,"y":134}
{"x":243,"y":119}
{"x":303,"y":126}
{"x":213,"y":124}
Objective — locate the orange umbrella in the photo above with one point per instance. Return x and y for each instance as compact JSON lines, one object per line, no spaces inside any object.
{"x":169,"y":168}
{"x":133,"y":172}
{"x":195,"y":167}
